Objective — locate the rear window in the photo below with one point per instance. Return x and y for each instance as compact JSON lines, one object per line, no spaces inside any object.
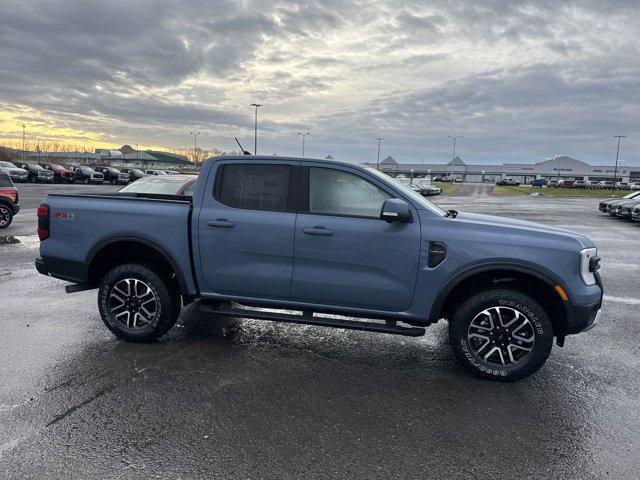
{"x":5,"y":181}
{"x":255,"y":187}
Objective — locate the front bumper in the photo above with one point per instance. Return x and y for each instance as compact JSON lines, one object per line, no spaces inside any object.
{"x":585,"y":317}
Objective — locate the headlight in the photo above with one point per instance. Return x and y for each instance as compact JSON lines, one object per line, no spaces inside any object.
{"x":589,"y":263}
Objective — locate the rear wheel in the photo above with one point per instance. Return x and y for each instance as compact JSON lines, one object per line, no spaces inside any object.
{"x":501,"y":334}
{"x":6,"y":216}
{"x":137,"y":304}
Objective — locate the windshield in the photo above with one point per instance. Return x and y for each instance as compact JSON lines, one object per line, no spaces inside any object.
{"x":87,"y":169}
{"x":155,"y":185}
{"x":7,"y":165}
{"x":57,"y":167}
{"x":136,"y":171}
{"x":36,"y":167}
{"x":408,"y":191}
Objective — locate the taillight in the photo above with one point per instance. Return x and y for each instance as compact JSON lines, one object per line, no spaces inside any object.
{"x":43,"y":222}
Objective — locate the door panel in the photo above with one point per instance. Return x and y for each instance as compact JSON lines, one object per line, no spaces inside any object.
{"x":352,"y":261}
{"x":248,"y":251}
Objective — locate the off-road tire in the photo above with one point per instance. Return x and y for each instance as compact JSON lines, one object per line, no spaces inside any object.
{"x":481,"y":307}
{"x":167,"y":302}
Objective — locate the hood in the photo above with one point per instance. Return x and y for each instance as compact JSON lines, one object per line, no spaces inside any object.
{"x":14,"y":169}
{"x":522,"y":226}
{"x":64,"y":170}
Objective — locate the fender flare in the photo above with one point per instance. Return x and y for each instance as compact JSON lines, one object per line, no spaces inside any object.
{"x":513,"y":266}
{"x":111,"y":239}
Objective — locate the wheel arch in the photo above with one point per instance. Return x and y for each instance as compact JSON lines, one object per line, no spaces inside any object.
{"x":97,"y":260}
{"x":530,"y":279}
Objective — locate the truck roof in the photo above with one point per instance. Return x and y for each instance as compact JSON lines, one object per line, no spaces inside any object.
{"x":271,"y":158}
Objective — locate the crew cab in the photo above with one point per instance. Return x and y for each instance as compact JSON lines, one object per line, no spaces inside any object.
{"x":318,"y":237}
{"x":35,"y":173}
{"x":113,"y":175}
{"x":60,"y":173}
{"x":17,"y":174}
{"x":88,"y":175}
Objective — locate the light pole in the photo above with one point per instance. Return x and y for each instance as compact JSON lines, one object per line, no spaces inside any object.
{"x":137,"y":155}
{"x":378,"y":161}
{"x":453,"y":156}
{"x":255,"y":128}
{"x":24,"y":143}
{"x":195,"y":146}
{"x":615,"y":171}
{"x":303,"y":134}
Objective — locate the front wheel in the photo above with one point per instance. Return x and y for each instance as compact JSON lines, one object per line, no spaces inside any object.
{"x":501,"y":334}
{"x":86,"y":181}
{"x":6,"y":216}
{"x":137,"y":304}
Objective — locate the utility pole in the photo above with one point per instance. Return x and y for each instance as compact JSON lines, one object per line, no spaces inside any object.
{"x":195,"y":146}
{"x":137,"y":155}
{"x":24,"y":143}
{"x":378,"y":161}
{"x":615,"y":171}
{"x":255,"y":128}
{"x":303,"y":134}
{"x":454,"y":150}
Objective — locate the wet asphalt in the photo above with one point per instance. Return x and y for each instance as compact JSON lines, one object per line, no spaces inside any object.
{"x":233,"y":398}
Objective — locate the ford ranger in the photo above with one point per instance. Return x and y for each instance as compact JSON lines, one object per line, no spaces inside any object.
{"x":292,"y":240}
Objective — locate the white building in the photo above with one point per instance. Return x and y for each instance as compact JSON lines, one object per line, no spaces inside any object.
{"x":558,"y":167}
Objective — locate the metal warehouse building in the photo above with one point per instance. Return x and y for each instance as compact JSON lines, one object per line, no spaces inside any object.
{"x":559,"y":167}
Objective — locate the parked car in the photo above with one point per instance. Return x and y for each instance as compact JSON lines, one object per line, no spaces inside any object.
{"x":437,"y":178}
{"x":538,"y":182}
{"x":287,"y":234}
{"x":580,"y":184}
{"x":60,"y":173}
{"x":16,"y":174}
{"x":430,"y":190}
{"x":88,"y":175}
{"x":113,"y":175}
{"x":622,"y":185}
{"x":35,"y":173}
{"x":552,"y":184}
{"x":593,"y":184}
{"x":134,"y":173}
{"x":565,"y":183}
{"x":155,"y":172}
{"x":9,"y":200}
{"x":458,"y":180}
{"x":606,"y":184}
{"x":508,"y":182}
{"x":634,"y":186}
{"x":164,"y":185}
{"x":623,"y":209}
{"x":605,"y":205}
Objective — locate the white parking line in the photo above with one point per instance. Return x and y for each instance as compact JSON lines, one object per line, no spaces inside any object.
{"x":628,"y":300}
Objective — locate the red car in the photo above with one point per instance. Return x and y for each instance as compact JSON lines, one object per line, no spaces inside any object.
{"x":9,"y":200}
{"x":60,"y":173}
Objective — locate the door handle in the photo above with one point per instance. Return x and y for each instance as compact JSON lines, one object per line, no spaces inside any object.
{"x":221,"y":222}
{"x":318,"y":231}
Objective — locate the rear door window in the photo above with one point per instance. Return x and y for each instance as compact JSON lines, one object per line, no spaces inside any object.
{"x":255,"y":187}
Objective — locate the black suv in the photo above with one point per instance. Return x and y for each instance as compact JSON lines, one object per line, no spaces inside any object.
{"x":36,"y":173}
{"x":113,"y":175}
{"x":88,"y":175}
{"x":134,"y":173}
{"x":9,"y":200}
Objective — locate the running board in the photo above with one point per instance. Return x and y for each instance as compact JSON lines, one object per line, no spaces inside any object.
{"x":307,"y":318}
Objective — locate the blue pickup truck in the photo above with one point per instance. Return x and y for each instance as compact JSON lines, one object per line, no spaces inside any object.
{"x":308,"y":238}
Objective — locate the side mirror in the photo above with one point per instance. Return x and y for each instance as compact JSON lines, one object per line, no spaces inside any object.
{"x":395,"y":210}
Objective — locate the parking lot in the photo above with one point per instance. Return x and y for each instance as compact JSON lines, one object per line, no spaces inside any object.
{"x":222,"y":397}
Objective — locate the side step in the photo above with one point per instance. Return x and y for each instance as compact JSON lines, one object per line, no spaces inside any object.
{"x":307,"y":318}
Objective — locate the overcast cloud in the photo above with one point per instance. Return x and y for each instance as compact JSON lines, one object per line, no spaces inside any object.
{"x":520,"y":80}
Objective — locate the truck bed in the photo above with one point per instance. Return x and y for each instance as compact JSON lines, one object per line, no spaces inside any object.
{"x":81,"y":224}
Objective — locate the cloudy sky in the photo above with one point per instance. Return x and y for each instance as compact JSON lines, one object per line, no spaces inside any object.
{"x":520,"y":80}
